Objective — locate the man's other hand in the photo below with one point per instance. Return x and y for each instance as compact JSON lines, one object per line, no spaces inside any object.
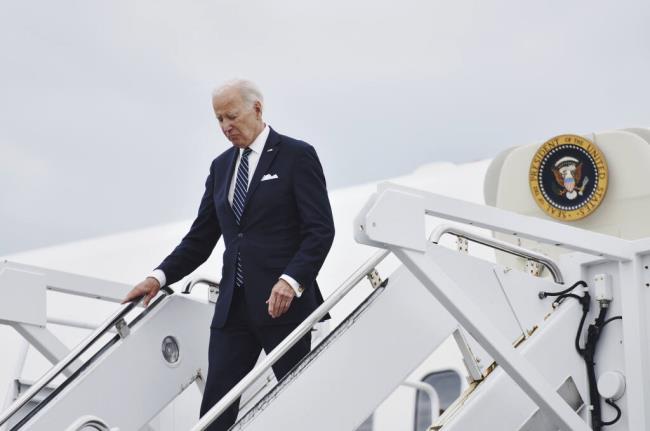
{"x":148,"y":288}
{"x":281,"y":296}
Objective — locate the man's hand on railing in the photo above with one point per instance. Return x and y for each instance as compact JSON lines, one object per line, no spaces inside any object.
{"x":147,"y":288}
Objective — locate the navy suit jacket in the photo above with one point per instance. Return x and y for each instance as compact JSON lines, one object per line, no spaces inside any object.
{"x":286,"y":228}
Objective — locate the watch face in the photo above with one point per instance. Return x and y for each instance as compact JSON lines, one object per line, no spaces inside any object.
{"x":568,"y":177}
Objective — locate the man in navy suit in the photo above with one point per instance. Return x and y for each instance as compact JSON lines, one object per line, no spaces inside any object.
{"x":267,"y":197}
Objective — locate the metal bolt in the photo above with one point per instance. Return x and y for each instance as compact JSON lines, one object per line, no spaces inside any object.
{"x":374,"y":278}
{"x":122,"y":328}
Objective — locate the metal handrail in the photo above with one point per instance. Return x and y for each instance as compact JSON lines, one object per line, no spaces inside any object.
{"x":506,"y":247}
{"x":190,"y":284}
{"x":295,"y":336}
{"x":53,"y":372}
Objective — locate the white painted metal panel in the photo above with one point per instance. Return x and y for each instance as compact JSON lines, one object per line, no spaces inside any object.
{"x":396,"y":218}
{"x":521,"y":289}
{"x":481,"y":285}
{"x":508,"y":297}
{"x":131,"y":382}
{"x":499,"y":403}
{"x":362,"y":365}
{"x":23,"y":296}
{"x":478,"y":323}
{"x":396,"y":331}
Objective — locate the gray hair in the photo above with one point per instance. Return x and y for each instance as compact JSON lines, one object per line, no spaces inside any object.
{"x":248,"y":90}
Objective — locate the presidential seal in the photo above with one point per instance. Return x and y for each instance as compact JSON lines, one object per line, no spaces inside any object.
{"x":568,"y":177}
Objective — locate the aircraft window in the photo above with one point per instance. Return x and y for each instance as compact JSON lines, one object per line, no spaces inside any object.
{"x":366,"y":425}
{"x":448,"y":385}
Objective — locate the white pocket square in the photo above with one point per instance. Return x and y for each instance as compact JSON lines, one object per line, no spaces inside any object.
{"x":270,"y":177}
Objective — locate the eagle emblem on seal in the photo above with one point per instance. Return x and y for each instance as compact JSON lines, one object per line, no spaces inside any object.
{"x":568,"y":177}
{"x":568,"y":173}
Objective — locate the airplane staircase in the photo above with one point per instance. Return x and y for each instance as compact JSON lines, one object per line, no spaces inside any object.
{"x":371,"y":352}
{"x":384,"y":339}
{"x":351,"y":371}
{"x":528,"y":343}
{"x":111,"y":373}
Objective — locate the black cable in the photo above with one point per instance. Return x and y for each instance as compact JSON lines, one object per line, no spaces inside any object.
{"x":593,"y":336}
{"x":585,"y":301}
{"x":580,"y":350}
{"x":568,"y":295}
{"x":543,"y":294}
{"x":594,"y":333}
{"x":617,"y":408}
{"x":588,"y":353}
{"x":611,"y":319}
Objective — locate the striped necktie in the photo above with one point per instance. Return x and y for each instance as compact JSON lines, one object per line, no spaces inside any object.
{"x":241,"y":187}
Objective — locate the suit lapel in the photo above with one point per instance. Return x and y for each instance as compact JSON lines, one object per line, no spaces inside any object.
{"x":229,"y":176}
{"x":270,"y":151}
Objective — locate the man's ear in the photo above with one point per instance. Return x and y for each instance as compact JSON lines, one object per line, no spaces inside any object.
{"x":258,"y":108}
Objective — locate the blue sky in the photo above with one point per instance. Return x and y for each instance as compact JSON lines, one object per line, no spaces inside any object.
{"x":105,"y":117}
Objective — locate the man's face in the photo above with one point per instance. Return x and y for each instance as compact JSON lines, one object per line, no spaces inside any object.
{"x":239,"y":121}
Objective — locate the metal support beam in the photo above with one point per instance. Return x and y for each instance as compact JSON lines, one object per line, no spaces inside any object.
{"x":73,"y":323}
{"x":473,"y":319}
{"x":471,"y":364}
{"x":73,"y":283}
{"x":634,"y":302}
{"x":47,"y":344}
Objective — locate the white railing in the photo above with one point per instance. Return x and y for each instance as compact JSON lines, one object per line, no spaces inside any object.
{"x":366,"y":270}
{"x":114,"y":322}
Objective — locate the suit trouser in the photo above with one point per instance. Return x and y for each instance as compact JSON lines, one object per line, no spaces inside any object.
{"x":233,"y":352}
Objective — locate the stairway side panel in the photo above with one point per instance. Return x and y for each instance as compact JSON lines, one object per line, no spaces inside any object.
{"x":344,"y":384}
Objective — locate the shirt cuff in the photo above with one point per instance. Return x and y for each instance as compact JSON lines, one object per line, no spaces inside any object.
{"x":293,"y":283}
{"x":159,"y":275}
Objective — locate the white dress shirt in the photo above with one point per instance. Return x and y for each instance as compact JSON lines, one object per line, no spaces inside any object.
{"x":257,"y":147}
